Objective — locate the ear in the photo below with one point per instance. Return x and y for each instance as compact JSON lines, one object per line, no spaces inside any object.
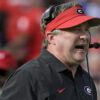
{"x":50,"y":37}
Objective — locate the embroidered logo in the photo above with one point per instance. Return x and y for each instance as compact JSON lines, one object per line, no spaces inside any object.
{"x":80,"y":11}
{"x":61,"y":90}
{"x":88,"y":90}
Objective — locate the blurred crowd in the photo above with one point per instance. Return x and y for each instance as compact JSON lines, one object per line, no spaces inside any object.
{"x":21,"y":38}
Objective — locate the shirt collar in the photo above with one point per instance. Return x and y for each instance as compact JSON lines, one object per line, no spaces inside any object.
{"x":54,"y":62}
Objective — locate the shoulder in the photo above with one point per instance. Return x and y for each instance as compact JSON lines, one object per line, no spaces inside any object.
{"x":27,"y":75}
{"x":33,"y":66}
{"x":33,"y":69}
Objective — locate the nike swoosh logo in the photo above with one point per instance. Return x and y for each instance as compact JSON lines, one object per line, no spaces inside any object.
{"x":60,"y":91}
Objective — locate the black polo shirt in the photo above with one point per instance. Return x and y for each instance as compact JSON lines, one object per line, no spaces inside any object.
{"x":46,"y":78}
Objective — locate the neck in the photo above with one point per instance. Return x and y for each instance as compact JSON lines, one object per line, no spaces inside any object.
{"x":71,"y":67}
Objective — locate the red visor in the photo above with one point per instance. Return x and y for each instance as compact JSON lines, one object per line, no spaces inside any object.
{"x":70,"y":18}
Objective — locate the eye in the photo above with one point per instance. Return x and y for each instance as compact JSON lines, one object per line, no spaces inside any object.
{"x":77,"y":30}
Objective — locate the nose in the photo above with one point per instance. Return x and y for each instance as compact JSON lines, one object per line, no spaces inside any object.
{"x":85,"y":36}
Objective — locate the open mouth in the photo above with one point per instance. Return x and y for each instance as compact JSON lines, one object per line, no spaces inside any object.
{"x":80,"y":47}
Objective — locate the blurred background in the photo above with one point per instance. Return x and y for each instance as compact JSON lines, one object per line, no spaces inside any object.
{"x":21,"y":38}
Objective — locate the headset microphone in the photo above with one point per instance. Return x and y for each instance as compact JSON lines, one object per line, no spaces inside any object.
{"x":95,"y":45}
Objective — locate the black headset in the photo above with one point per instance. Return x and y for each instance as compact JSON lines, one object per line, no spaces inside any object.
{"x":48,"y":15}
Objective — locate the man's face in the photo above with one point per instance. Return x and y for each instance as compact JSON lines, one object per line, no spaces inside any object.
{"x":72,"y":45}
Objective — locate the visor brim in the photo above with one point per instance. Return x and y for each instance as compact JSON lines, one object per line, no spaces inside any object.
{"x":79,"y":20}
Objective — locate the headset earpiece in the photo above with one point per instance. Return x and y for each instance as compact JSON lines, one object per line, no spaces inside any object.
{"x":48,"y":15}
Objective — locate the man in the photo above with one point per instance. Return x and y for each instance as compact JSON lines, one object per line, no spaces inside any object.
{"x":56,"y":74}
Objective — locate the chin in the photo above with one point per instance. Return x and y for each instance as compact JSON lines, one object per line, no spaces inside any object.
{"x":79,"y":61}
{"x":80,"y":58}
